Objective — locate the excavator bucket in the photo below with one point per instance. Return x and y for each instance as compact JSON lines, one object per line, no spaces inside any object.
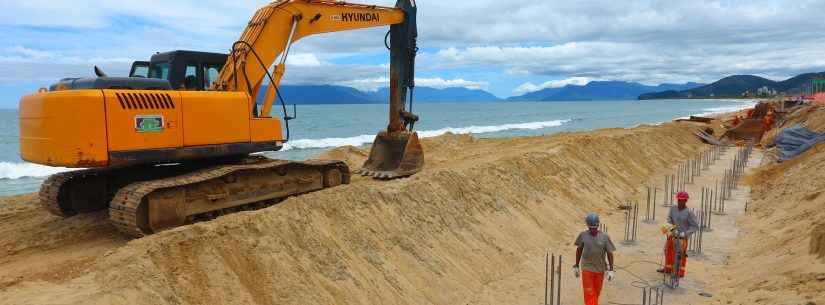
{"x":394,"y":155}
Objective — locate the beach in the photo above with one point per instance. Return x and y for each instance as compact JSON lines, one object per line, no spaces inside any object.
{"x":472,"y":228}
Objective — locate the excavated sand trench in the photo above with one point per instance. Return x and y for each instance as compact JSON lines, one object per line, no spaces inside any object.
{"x":472,"y":228}
{"x":479,"y":211}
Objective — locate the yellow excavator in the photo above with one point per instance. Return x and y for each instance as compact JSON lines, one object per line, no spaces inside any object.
{"x":175,"y":142}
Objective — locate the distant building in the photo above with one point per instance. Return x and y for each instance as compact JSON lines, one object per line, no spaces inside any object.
{"x":762,"y":92}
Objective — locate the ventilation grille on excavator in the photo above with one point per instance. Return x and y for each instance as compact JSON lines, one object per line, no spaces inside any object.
{"x":145,"y":100}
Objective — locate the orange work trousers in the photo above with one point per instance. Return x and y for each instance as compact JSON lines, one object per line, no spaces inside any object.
{"x":669,"y":256}
{"x":592,"y":286}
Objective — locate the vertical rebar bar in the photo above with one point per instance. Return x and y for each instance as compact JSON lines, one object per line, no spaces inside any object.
{"x":731,"y":176}
{"x":558,"y":291}
{"x":547,"y":273}
{"x":679,"y":177}
{"x":635,"y":219}
{"x":690,"y":170}
{"x":626,"y":224}
{"x":709,"y":216}
{"x":713,"y":204}
{"x":644,"y":296}
{"x":647,"y":210}
{"x":729,"y":189}
{"x":703,"y":196}
{"x":654,"y":203}
{"x":715,"y":191}
{"x":701,"y":235}
{"x":672,"y":188}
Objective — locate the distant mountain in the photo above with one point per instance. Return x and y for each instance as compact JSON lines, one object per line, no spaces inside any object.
{"x":735,"y":85}
{"x":331,"y":94}
{"x":322,"y":94}
{"x":446,"y":95}
{"x":599,"y":90}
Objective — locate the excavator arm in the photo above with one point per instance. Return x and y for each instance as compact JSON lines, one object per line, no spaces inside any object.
{"x":275,"y":27}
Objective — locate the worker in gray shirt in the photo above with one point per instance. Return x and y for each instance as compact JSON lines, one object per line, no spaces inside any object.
{"x":685,"y":224}
{"x":592,"y":246}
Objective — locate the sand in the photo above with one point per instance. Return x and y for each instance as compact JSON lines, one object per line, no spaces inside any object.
{"x":472,"y":228}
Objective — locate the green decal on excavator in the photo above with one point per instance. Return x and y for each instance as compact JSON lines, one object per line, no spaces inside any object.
{"x":149,"y":123}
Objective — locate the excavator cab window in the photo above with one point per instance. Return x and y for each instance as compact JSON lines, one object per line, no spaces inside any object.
{"x":210,"y":74}
{"x":190,"y":79}
{"x":139,"y":69}
{"x":159,"y":70}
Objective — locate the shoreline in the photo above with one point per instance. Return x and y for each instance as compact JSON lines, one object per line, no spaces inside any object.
{"x":366,"y":140}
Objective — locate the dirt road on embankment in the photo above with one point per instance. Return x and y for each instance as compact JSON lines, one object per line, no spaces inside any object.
{"x":479,"y":213}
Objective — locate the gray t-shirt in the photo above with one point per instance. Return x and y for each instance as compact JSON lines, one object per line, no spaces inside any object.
{"x":684,"y":220}
{"x":594,"y":251}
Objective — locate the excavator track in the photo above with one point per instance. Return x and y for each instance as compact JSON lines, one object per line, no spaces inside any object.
{"x":50,"y":192}
{"x":208,"y":193}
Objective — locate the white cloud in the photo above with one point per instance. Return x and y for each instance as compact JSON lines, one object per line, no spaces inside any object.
{"x":375,"y":83}
{"x":367,"y":84}
{"x":303,"y":60}
{"x":530,"y":87}
{"x":647,"y":41}
{"x":650,"y":63}
{"x":441,"y":83}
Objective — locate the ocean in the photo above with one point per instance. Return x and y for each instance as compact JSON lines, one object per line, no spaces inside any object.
{"x":321,"y":127}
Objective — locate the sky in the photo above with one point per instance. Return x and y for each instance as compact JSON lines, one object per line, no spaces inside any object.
{"x":505,"y":47}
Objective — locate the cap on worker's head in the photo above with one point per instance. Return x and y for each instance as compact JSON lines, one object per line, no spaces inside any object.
{"x":592,"y":220}
{"x":682,"y":195}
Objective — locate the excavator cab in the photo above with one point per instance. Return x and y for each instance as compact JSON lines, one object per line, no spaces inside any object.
{"x":187,"y":70}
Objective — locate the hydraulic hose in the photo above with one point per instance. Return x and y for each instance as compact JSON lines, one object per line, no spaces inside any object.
{"x":286,"y":117}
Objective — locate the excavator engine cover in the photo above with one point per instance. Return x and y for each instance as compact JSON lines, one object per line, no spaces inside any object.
{"x":394,"y":155}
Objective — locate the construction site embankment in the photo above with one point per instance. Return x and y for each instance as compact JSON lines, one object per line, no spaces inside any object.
{"x":779,"y":255}
{"x":480,"y":211}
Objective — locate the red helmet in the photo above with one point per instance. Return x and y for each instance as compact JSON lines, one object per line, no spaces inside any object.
{"x":682,"y":195}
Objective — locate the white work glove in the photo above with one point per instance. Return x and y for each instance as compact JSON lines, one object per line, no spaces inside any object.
{"x":576,"y":270}
{"x":681,"y":234}
{"x":611,"y":275}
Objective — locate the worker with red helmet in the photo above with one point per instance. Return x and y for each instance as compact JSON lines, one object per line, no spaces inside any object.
{"x":685,"y":224}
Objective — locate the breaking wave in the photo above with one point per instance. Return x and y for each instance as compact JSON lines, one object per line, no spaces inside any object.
{"x":9,"y":170}
{"x":17,"y":170}
{"x":366,"y":139}
{"x":726,"y":109}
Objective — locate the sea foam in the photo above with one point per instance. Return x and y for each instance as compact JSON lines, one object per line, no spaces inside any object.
{"x":366,"y":139}
{"x":17,"y":170}
{"x":727,"y":109}
{"x":9,"y":170}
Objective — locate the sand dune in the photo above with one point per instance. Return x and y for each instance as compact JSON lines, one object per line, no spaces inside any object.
{"x":470,"y":218}
{"x":460,"y":232}
{"x":779,"y":257}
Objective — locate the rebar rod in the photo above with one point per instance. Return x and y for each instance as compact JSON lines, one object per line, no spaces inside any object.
{"x":558,"y":291}
{"x":547,"y":274}
{"x":552,"y":280}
